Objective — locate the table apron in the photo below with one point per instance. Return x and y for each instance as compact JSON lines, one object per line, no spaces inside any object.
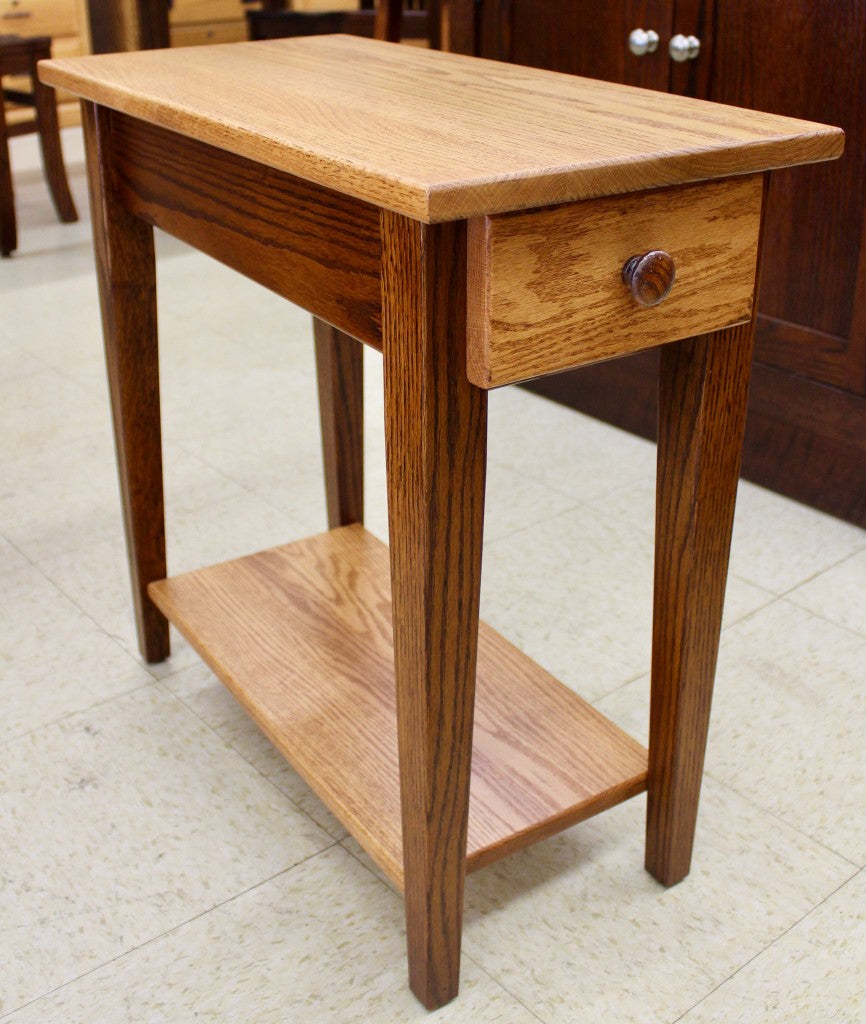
{"x":311,"y":245}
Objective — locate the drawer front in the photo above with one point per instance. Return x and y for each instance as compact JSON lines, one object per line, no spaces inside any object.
{"x":202,"y":35}
{"x":39,"y":17}
{"x":188,"y":12}
{"x":546,"y":290}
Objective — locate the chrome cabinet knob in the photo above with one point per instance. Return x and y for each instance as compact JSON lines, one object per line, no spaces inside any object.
{"x":684,"y":48}
{"x":649,"y":277}
{"x":641,"y":42}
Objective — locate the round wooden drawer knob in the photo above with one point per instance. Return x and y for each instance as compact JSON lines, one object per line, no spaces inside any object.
{"x":650,"y":277}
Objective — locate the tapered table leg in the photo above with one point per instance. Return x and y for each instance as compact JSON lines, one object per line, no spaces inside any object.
{"x":340,"y":372}
{"x":435,"y":425}
{"x":702,"y":411}
{"x":126,"y":271}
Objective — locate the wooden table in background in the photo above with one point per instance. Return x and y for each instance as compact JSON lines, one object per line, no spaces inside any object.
{"x":472,"y":221}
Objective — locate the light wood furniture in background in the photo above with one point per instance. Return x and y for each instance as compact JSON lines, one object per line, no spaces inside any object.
{"x":380,"y":188}
{"x":65,"y":23}
{"x":18,"y":59}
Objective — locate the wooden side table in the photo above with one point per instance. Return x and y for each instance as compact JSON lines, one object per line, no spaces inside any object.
{"x":480,"y":224}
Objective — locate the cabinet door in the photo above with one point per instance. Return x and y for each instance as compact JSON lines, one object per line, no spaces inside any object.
{"x":805,"y":58}
{"x":581,"y":37}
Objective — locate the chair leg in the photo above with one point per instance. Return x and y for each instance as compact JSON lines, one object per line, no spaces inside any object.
{"x":52,"y":154}
{"x":8,"y":232}
{"x":340,"y":373}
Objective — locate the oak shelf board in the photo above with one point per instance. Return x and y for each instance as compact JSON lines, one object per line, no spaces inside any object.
{"x":301,"y":635}
{"x":436,"y":136}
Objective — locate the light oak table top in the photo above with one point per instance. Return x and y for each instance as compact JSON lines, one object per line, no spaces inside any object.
{"x":436,"y":136}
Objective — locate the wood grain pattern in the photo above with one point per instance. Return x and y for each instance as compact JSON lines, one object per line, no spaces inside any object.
{"x":436,"y":449}
{"x":524,"y":137}
{"x":313,"y":246}
{"x":323,"y":692}
{"x":126,"y":272}
{"x":546,"y":291}
{"x":340,"y":375}
{"x":703,"y":391}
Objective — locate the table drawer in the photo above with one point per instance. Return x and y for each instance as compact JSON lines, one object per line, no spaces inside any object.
{"x":208,"y":34}
{"x":546,"y":291}
{"x":187,"y":12}
{"x":39,"y":17}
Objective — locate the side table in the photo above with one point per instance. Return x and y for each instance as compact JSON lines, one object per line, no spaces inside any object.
{"x":480,"y":224}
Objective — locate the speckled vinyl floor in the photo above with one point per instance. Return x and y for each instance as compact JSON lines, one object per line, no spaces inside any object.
{"x":160,"y":863}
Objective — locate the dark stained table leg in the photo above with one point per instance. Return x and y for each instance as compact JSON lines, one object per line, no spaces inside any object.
{"x":8,"y":232}
{"x":340,"y":372}
{"x":702,"y":411}
{"x":436,"y":432}
{"x":52,"y":155}
{"x":126,"y":271}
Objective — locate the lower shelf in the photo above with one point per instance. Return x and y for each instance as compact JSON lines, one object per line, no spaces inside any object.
{"x":301,"y":635}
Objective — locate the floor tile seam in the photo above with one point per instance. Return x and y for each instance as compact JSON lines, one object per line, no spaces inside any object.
{"x":18,"y":551}
{"x":98,"y":625}
{"x":58,"y":448}
{"x":535,"y":478}
{"x":76,"y":384}
{"x":771,"y":594}
{"x":752,"y":802}
{"x":162,"y":677}
{"x":527,"y":527}
{"x":167,"y":932}
{"x":235,"y":750}
{"x":17,"y":376}
{"x":248,"y":491}
{"x":856,"y":553}
{"x":94,"y":391}
{"x":640,"y":675}
{"x":389,"y":885}
{"x":489,"y":974}
{"x":499,"y":982}
{"x":192,"y":453}
{"x":786,"y":591}
{"x":542,"y":481}
{"x":145,"y":685}
{"x":616,"y":689}
{"x":751,"y":614}
{"x":790,"y":599}
{"x":531,"y":525}
{"x":769,"y":946}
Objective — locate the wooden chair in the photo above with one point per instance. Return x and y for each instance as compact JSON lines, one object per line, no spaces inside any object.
{"x":19,"y":56}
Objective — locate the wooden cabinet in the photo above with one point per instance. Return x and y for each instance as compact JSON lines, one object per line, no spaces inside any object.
{"x":806,"y":434}
{"x":66,"y":22}
{"x":200,"y":22}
